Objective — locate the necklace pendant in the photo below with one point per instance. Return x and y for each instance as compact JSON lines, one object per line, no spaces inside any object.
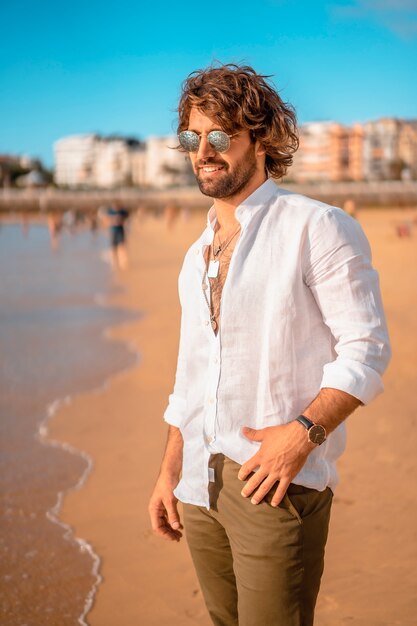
{"x":217,"y":250}
{"x":213,"y":324}
{"x":213,"y":269}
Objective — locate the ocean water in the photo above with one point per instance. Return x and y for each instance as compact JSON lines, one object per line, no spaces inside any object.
{"x":52,"y":346}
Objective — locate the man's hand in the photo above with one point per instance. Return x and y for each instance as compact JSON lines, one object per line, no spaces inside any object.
{"x":284,"y":449}
{"x":163,"y":510}
{"x":283,"y":452}
{"x":162,"y":507}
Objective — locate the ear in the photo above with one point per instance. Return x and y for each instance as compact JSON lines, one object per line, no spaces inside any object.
{"x":259,"y":149}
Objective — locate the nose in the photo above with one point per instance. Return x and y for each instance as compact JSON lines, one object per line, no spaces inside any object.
{"x":205,"y":150}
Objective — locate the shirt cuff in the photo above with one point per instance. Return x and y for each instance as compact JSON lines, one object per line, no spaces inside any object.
{"x":357,"y":379}
{"x":174,"y":411}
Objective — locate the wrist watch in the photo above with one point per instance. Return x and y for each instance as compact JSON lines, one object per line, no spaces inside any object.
{"x":316,"y":433}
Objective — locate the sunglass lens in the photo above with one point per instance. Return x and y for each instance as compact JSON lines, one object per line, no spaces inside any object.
{"x":219,"y":140}
{"x":189,"y":140}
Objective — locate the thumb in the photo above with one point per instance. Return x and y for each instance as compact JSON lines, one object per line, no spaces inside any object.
{"x":173,"y":516}
{"x":252,"y":434}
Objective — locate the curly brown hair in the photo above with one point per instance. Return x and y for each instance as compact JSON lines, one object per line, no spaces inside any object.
{"x":238,"y":98}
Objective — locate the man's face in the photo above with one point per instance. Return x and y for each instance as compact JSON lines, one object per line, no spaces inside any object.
{"x":223,"y":175}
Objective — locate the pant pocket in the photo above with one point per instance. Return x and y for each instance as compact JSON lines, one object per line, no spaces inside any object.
{"x":291,"y":508}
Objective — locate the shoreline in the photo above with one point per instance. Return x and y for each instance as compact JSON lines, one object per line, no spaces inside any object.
{"x":53,"y":514}
{"x":43,"y":435}
{"x":370,"y":554}
{"x":54,"y":348}
{"x":101,"y":300}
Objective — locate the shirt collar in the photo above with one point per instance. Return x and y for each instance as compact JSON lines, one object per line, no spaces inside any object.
{"x":247,"y":209}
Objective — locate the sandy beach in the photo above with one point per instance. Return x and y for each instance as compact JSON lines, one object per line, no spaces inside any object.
{"x":370,"y":576}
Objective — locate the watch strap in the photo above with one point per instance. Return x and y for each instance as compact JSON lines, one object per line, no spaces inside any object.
{"x":305,"y":421}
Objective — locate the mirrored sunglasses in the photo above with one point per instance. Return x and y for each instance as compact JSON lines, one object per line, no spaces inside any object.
{"x":218,"y":140}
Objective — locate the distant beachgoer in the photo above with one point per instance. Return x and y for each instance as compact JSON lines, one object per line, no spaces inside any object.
{"x":69,"y":221}
{"x":171,"y":214}
{"x":140,"y":213}
{"x":24,"y":224}
{"x":403,"y":229}
{"x":55,"y":225}
{"x":116,"y":218}
{"x":93,"y":221}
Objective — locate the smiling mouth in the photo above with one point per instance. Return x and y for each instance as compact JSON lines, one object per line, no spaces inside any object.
{"x":208,"y":169}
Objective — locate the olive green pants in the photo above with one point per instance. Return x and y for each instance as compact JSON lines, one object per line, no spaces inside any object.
{"x":258,"y":565}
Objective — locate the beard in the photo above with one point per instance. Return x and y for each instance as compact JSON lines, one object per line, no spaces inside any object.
{"x":229,"y":183}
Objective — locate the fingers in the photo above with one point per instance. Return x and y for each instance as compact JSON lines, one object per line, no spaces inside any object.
{"x":263,"y":490}
{"x":253,"y":483}
{"x":173,"y":516}
{"x":261,"y":484}
{"x":163,"y":528}
{"x":166,"y":525}
{"x":247,"y":468}
{"x":280,"y":492}
{"x":252,"y":434}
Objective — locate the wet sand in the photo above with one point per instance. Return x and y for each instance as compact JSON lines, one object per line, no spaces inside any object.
{"x":52,"y":347}
{"x":370,"y":576}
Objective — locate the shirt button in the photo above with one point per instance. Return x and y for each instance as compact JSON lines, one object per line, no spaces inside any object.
{"x":211,"y":400}
{"x":206,"y":323}
{"x":216,"y":360}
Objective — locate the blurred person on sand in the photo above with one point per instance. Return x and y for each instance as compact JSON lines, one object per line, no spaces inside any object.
{"x":265,"y":381}
{"x":116,"y":217}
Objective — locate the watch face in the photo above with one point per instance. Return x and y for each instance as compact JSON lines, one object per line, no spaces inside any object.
{"x":317,"y":434}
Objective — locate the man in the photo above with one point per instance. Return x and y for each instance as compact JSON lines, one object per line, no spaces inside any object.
{"x":117,"y":217}
{"x":271,"y":360}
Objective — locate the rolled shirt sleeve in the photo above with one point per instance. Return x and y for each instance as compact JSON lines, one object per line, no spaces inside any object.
{"x":176,"y":402}
{"x":340,"y":275}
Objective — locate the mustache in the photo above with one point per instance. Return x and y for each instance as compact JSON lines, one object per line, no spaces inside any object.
{"x":209,"y":161}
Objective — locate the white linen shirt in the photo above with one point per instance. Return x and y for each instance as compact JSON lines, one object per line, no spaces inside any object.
{"x":300,"y":310}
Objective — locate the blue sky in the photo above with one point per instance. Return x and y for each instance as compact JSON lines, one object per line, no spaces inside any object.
{"x":116,"y":67}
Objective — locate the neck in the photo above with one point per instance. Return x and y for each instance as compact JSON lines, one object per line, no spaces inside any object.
{"x":226,"y":207}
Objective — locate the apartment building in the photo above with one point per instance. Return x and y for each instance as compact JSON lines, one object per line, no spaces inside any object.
{"x":112,"y":162}
{"x":74,"y":160}
{"x":390,"y":149}
{"x":407,"y":150}
{"x":328,"y":151}
{"x":107,"y":162}
{"x":95,"y":161}
{"x":381,"y":149}
{"x":138,"y":167}
{"x":165,"y":165}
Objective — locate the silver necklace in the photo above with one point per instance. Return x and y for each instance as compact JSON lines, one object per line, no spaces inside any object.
{"x":212,"y":271}
{"x":213,"y":322}
{"x":214,"y":264}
